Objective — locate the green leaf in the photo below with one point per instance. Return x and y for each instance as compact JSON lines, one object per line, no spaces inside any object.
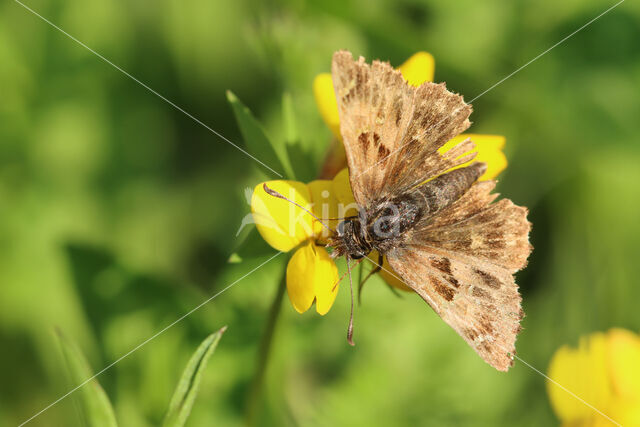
{"x":252,"y":246}
{"x":301,"y":162}
{"x":94,"y":401}
{"x":303,"y":165}
{"x":187,"y":389}
{"x":271,"y":154}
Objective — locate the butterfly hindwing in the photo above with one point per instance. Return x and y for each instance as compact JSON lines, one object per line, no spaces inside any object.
{"x":462,"y":265}
{"x":391,"y":130}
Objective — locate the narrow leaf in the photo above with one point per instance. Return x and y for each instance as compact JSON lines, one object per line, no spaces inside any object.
{"x":187,"y":389}
{"x":258,"y":144}
{"x":301,"y":162}
{"x":303,"y":165}
{"x":252,"y":246}
{"x":289,"y":120}
{"x":94,"y":401}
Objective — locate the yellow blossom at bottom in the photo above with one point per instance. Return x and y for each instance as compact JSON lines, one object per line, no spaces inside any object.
{"x":605,"y":372}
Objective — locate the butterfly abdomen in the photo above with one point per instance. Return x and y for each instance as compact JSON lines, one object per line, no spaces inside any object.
{"x":442,"y":191}
{"x":389,"y":220}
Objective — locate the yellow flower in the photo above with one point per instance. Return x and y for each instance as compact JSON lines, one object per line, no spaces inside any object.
{"x":605,"y":372}
{"x":418,"y":69}
{"x":311,"y":274}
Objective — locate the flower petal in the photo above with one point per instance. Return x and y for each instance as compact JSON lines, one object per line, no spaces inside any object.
{"x":342,"y":190}
{"x":624,"y":364}
{"x":626,"y":413}
{"x":584,"y":372}
{"x":489,"y":149}
{"x":280,"y":223}
{"x":418,"y":69}
{"x":299,"y":278}
{"x":326,"y":102}
{"x":324,"y":206}
{"x":312,"y":274}
{"x":325,"y":280}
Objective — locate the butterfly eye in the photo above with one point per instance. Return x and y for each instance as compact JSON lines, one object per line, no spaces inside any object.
{"x":340,"y":228}
{"x":384,"y":225}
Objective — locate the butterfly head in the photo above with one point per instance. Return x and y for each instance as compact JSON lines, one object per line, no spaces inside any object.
{"x":350,"y":239}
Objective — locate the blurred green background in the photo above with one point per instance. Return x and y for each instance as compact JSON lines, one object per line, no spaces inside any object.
{"x":118,"y":212}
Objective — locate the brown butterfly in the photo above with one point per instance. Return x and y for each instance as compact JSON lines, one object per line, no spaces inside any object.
{"x":437,"y":227}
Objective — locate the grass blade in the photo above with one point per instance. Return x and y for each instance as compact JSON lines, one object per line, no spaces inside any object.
{"x":268,"y":151}
{"x":95,"y":403}
{"x":187,"y":389}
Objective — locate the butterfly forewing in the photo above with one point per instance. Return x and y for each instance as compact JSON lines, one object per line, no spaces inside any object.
{"x":391,"y":130}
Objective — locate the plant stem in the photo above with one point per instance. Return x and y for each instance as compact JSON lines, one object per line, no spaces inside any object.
{"x":254,"y":399}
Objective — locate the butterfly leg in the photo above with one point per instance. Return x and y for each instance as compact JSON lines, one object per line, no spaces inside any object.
{"x":376,"y":269}
{"x":371,"y":273}
{"x":350,"y":327}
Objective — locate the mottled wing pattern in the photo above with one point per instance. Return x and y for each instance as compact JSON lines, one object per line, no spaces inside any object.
{"x":462,"y":264}
{"x":392,"y":131}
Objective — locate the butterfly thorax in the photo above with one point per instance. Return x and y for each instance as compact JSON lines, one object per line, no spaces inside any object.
{"x":383,"y":224}
{"x":379,"y":227}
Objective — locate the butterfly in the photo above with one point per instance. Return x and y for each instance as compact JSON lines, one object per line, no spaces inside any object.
{"x":429,"y":215}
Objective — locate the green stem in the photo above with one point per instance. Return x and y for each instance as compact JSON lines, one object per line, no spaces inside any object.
{"x":254,"y":399}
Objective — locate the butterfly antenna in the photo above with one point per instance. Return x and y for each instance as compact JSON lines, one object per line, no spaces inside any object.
{"x":274,"y":193}
{"x":350,"y":328}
